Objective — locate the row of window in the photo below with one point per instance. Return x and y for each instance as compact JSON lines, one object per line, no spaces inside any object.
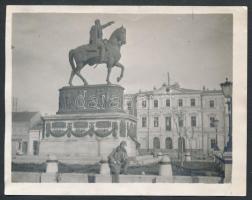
{"x":168,"y":103}
{"x":169,"y":144}
{"x":180,"y":103}
{"x":22,"y":147}
{"x":181,"y":143}
{"x":168,"y":122}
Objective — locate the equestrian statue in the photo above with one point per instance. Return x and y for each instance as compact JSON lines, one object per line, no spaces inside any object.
{"x":98,"y":51}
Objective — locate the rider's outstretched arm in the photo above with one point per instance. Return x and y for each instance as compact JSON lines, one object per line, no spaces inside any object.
{"x":107,"y":24}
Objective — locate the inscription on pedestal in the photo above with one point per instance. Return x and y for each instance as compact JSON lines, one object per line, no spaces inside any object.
{"x":93,"y":98}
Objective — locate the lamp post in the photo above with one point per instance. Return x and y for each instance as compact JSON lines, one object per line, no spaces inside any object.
{"x":177,"y":116}
{"x":227,"y":155}
{"x":227,"y":91}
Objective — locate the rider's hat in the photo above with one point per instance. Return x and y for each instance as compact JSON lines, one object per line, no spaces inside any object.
{"x":97,"y":21}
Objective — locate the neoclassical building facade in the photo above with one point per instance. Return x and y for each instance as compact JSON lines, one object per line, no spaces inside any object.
{"x":172,"y":117}
{"x":26,"y":133}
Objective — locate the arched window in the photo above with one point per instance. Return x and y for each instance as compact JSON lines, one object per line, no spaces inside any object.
{"x":168,"y":143}
{"x":181,"y":144}
{"x":156,"y":143}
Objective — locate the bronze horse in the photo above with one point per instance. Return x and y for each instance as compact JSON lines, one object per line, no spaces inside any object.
{"x":87,"y":54}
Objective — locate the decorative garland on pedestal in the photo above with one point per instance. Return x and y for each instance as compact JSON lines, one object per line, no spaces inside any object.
{"x":81,"y":133}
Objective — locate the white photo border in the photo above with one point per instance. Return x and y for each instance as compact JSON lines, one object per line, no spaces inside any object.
{"x":238,"y":185}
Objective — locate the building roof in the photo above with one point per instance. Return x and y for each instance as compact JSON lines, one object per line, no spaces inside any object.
{"x":38,"y":126}
{"x":23,"y":116}
{"x":212,"y":91}
{"x":175,"y":88}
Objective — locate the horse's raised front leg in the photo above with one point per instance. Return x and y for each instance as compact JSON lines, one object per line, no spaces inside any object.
{"x":122,"y":71}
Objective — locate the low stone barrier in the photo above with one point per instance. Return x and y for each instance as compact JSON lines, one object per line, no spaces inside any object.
{"x":164,"y":179}
{"x":103,"y":178}
{"x":29,"y":177}
{"x":104,"y":168}
{"x":209,"y":179}
{"x":165,"y":175}
{"x":145,"y":160}
{"x":25,"y":177}
{"x":49,"y":177}
{"x":182,"y":179}
{"x":137,"y":179}
{"x":73,"y":178}
{"x":29,"y":159}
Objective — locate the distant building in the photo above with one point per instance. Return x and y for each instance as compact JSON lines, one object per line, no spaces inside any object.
{"x":172,"y":117}
{"x":26,"y":133}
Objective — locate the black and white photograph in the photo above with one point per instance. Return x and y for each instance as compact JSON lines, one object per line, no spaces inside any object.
{"x":101,"y":97}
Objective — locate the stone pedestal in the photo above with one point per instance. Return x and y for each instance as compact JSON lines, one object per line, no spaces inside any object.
{"x":165,"y":168}
{"x":227,"y":159}
{"x":90,"y":122}
{"x":91,"y":99}
{"x":51,"y":175}
{"x":52,"y":164}
{"x":188,"y":156}
{"x":104,"y":168}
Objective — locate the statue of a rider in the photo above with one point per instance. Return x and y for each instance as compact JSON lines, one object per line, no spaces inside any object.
{"x":96,"y":39}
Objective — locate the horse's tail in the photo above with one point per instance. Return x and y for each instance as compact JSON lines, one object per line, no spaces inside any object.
{"x":71,"y":60}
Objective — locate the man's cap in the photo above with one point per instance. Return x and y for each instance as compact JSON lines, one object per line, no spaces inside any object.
{"x":123,"y":143}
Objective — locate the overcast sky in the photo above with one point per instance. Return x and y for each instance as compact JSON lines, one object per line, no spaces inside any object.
{"x":195,"y":49}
